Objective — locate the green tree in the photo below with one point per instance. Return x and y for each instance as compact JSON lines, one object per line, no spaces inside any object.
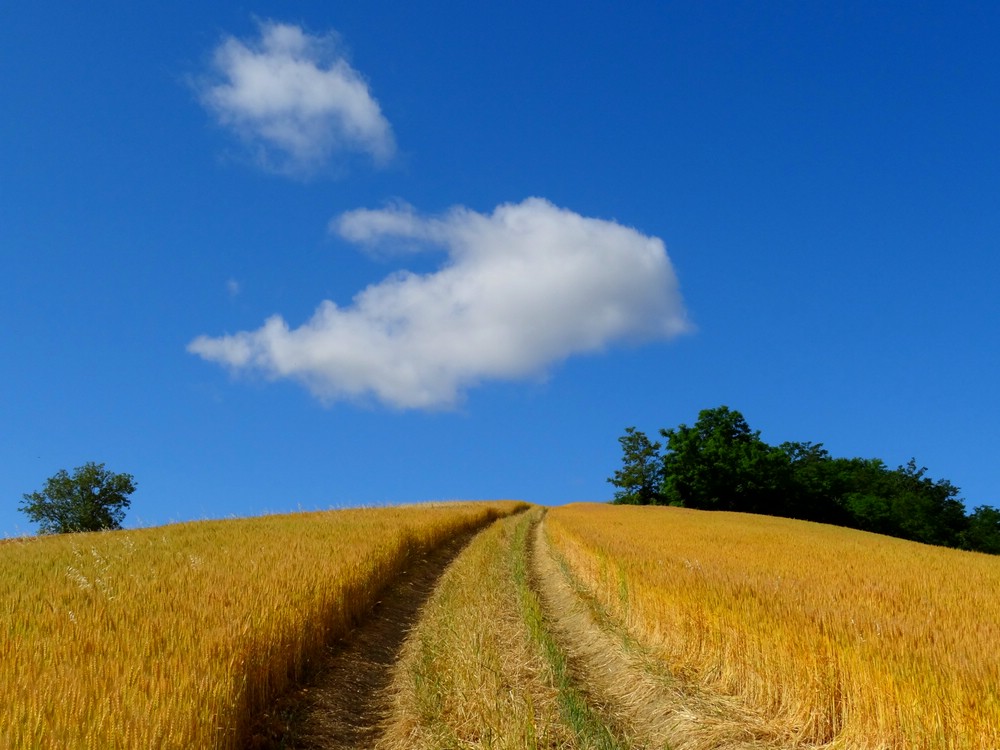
{"x":929,"y":510}
{"x":720,"y":464}
{"x":639,"y":478}
{"x":983,"y":532}
{"x":905,"y":503}
{"x":814,"y":484}
{"x":92,"y":499}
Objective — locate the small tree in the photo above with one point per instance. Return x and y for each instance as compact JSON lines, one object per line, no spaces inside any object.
{"x":92,"y":499}
{"x":639,"y":478}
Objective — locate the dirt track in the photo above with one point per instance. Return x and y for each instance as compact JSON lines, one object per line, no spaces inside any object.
{"x":632,"y":691}
{"x":344,"y":704}
{"x":347,"y":703}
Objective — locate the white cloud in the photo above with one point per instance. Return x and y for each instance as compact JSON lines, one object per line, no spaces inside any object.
{"x":521,"y":289}
{"x":294,"y":99}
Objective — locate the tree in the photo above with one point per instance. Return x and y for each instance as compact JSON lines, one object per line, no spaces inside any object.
{"x":929,"y":510}
{"x":983,"y":532}
{"x":905,"y":503}
{"x":720,"y":464}
{"x":92,"y":499}
{"x":639,"y":478}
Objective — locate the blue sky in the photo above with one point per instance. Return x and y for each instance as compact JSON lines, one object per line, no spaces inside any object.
{"x":307,"y":255}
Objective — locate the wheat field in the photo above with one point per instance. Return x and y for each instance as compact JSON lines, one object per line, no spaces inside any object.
{"x":832,"y":637}
{"x":174,"y":637}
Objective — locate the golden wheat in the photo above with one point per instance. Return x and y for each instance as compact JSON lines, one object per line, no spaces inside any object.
{"x":841,"y":638}
{"x":174,"y":637}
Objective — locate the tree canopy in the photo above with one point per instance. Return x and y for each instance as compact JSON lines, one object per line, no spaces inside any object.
{"x":719,"y":463}
{"x":92,"y":499}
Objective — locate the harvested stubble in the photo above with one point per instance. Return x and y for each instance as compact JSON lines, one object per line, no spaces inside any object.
{"x":174,"y":637}
{"x":840,"y":638}
{"x":471,"y":674}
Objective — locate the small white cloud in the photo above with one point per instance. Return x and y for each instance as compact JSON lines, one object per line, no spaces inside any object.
{"x":233,"y":287}
{"x":294,"y":99}
{"x":521,"y":289}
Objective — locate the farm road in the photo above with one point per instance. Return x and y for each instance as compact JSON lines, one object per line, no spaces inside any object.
{"x":344,"y":705}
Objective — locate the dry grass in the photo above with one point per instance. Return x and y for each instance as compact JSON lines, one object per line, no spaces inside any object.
{"x":471,"y":675}
{"x":837,"y":637}
{"x":174,"y":637}
{"x":647,"y":707}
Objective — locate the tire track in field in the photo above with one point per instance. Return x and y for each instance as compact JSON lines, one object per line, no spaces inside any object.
{"x":473,"y":673}
{"x":633,"y":693}
{"x":342,"y":707}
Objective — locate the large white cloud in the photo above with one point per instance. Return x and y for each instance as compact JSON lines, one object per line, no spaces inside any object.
{"x":520,"y":289}
{"x":294,"y":99}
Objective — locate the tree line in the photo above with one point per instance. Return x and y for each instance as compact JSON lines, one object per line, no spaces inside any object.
{"x":719,"y":463}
